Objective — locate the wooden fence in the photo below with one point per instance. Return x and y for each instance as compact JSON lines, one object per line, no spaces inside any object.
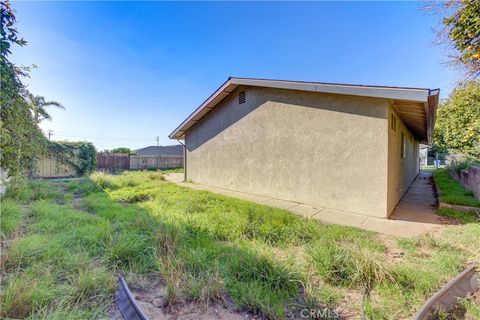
{"x":113,"y":161}
{"x":51,"y":167}
{"x":122,"y":161}
{"x":155,"y":162}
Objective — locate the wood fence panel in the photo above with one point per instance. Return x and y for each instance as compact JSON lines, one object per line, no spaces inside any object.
{"x":113,"y":161}
{"x":51,"y":167}
{"x":155,"y":162}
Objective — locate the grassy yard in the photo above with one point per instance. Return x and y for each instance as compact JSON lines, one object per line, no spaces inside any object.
{"x":452,"y":192}
{"x":64,"y":242}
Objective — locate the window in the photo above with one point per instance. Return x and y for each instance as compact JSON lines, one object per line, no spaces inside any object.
{"x":403,"y":145}
{"x":241,"y":97}
{"x":393,"y":122}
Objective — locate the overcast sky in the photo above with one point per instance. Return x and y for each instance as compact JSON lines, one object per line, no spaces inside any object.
{"x":130,"y":71}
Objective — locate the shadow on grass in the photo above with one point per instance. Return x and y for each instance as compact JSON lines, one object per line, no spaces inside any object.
{"x":65,"y":262}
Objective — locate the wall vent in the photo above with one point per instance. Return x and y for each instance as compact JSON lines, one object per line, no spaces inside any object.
{"x":241,"y":97}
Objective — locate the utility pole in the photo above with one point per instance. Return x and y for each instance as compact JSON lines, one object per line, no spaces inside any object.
{"x":50,"y":133}
{"x":158,"y":155}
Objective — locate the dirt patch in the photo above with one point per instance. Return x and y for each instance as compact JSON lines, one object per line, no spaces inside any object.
{"x":393,"y":251}
{"x":151,"y":299}
{"x":449,"y":221}
{"x":351,"y":305}
{"x":62,"y":189}
{"x":77,"y":200}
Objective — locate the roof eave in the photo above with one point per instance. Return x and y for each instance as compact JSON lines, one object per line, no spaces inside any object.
{"x":396,"y":93}
{"x":431,"y":112}
{"x":179,"y":132}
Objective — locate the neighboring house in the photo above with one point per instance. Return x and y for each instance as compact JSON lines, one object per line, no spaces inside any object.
{"x":423,"y":155}
{"x":175,"y":150}
{"x":351,"y":148}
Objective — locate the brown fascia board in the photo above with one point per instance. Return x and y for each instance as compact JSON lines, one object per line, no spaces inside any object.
{"x":396,"y":93}
{"x":431,"y":113}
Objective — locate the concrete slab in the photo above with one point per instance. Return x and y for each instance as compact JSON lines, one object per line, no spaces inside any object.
{"x":399,"y":228}
{"x":306,"y":210}
{"x":413,"y":216}
{"x":418,"y":203}
{"x":282,"y":204}
{"x":174,"y":177}
{"x":243,"y":196}
{"x":340,"y":217}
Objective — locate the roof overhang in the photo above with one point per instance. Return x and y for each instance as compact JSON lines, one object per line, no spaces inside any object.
{"x":405,"y":100}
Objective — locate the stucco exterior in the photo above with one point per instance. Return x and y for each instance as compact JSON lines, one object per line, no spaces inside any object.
{"x":325,"y":149}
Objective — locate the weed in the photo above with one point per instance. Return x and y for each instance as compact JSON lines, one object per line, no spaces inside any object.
{"x":452,"y":192}
{"x":172,"y":273}
{"x":91,"y":283}
{"x":103,"y":179}
{"x":339,"y":264}
{"x":156,"y":176}
{"x":206,"y":248}
{"x":166,"y":239}
{"x":133,"y":250}
{"x":463,"y":217}
{"x":11,"y":218}
{"x":25,"y":293}
{"x":205,"y":288}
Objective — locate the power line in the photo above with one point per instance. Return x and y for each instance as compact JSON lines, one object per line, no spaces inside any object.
{"x":86,"y":135}
{"x":98,"y":137}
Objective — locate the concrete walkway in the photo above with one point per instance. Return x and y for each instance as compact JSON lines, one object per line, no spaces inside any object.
{"x":418,"y":204}
{"x":413,"y":216}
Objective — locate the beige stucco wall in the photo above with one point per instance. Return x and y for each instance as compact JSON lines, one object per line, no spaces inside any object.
{"x":401,"y":171}
{"x":323,"y":149}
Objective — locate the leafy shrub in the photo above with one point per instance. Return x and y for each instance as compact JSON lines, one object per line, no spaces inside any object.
{"x":459,"y":166}
{"x":102,"y":179}
{"x":156,"y":176}
{"x":17,"y":188}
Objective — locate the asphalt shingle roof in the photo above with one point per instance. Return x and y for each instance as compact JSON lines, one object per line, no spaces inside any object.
{"x":175,"y":150}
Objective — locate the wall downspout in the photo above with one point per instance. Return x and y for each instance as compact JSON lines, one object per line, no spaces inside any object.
{"x":184,"y":161}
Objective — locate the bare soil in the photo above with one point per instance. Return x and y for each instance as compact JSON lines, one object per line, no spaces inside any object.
{"x":151,"y":299}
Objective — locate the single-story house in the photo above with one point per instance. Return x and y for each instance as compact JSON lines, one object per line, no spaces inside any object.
{"x":174,"y":150}
{"x":352,"y":148}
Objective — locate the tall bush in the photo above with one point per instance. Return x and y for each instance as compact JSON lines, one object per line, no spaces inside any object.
{"x":458,"y":121}
{"x":21,"y":139}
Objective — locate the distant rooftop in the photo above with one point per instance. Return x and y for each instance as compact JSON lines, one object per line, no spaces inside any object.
{"x":174,"y":150}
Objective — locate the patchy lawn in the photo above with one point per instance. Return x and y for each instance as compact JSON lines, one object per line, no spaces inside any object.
{"x":66,"y":240}
{"x":452,"y":192}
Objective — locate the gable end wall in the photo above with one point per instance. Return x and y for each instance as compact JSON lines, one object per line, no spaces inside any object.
{"x":322,"y":149}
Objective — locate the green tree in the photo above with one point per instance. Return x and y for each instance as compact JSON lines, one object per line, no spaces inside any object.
{"x":21,"y":140}
{"x":458,"y":121}
{"x":122,"y":150}
{"x":38,"y":106}
{"x":461,"y":31}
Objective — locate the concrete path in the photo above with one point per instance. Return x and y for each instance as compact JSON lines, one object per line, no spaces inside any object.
{"x":403,"y":222}
{"x":418,"y":203}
